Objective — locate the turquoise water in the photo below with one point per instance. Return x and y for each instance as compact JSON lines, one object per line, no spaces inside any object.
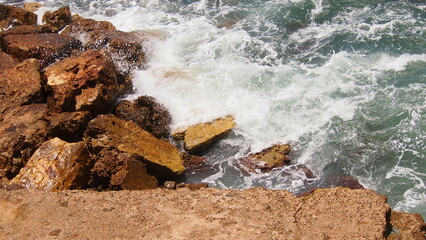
{"x":344,"y":82}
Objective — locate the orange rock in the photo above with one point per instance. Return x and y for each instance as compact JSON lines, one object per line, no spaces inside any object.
{"x":59,"y":18}
{"x":409,"y":226}
{"x":14,"y":16}
{"x":267,"y":159}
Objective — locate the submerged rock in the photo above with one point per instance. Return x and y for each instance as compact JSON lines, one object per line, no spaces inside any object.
{"x":55,"y":166}
{"x":115,"y":170}
{"x":14,"y":16}
{"x":267,"y":159}
{"x":58,"y":19}
{"x":162,"y":159}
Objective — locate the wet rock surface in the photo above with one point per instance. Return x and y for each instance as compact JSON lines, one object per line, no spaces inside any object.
{"x":58,"y":19}
{"x":14,"y":16}
{"x":55,"y":166}
{"x":192,"y":161}
{"x":268,"y":159}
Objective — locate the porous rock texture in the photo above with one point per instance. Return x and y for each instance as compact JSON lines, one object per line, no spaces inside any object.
{"x":6,"y":61}
{"x":55,"y":166}
{"x":206,"y":213}
{"x":14,"y":16}
{"x":268,"y":159}
{"x":58,"y":19}
{"x":68,"y":126}
{"x":162,"y":158}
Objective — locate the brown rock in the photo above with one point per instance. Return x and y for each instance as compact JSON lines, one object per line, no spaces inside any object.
{"x":201,"y":136}
{"x":21,"y":85}
{"x":147,"y":113}
{"x":68,"y":126}
{"x":55,"y":166}
{"x":344,"y":181}
{"x":162,"y":159}
{"x":192,"y":161}
{"x":59,"y":18}
{"x":170,"y":184}
{"x":21,"y":132}
{"x":407,"y":226}
{"x":23,"y":29}
{"x":115,"y":170}
{"x":47,"y":47}
{"x":82,"y":83}
{"x":32,"y":7}
{"x":267,"y":159}
{"x":6,"y":61}
{"x":10,"y":15}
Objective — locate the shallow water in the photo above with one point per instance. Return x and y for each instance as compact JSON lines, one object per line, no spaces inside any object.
{"x":344,"y":82}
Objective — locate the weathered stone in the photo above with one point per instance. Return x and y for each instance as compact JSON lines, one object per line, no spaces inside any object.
{"x":68,"y":126}
{"x":82,"y":83}
{"x":6,"y":61}
{"x":55,"y":166}
{"x":21,"y":85}
{"x":13,"y":16}
{"x":192,"y":161}
{"x":115,"y":170}
{"x":267,"y":159}
{"x":201,"y":136}
{"x":47,"y":47}
{"x":21,"y":132}
{"x":408,"y":226}
{"x":343,"y":181}
{"x":170,"y":184}
{"x":32,"y":7}
{"x":59,"y":18}
{"x":162,"y":159}
{"x":147,"y":113}
{"x":23,"y":29}
{"x":179,"y":134}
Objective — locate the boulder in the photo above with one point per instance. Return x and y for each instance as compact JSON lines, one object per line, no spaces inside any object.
{"x":21,"y":85}
{"x":68,"y":126}
{"x":82,"y":83}
{"x":147,"y":113}
{"x":23,"y":29}
{"x":192,"y":161}
{"x":48,"y":47}
{"x":32,"y":7}
{"x":115,"y":170}
{"x":22,"y":131}
{"x":162,"y":158}
{"x":58,"y":19}
{"x":55,"y":166}
{"x":6,"y":61}
{"x":13,"y":16}
{"x":201,"y":136}
{"x":407,"y":226}
{"x":267,"y":159}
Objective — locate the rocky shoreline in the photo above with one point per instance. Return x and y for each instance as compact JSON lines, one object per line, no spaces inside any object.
{"x":63,"y":127}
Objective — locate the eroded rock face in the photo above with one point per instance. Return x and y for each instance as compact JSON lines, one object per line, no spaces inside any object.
{"x":22,"y":131}
{"x":21,"y":85}
{"x":115,"y":170}
{"x":267,"y":159}
{"x":13,"y":16}
{"x":59,"y":18}
{"x":147,"y":113}
{"x":68,"y":126}
{"x":47,"y":47}
{"x":55,"y":166}
{"x":201,"y":136}
{"x":6,"y":61}
{"x":192,"y":161}
{"x":82,"y":83}
{"x":408,"y":226}
{"x":162,"y":159}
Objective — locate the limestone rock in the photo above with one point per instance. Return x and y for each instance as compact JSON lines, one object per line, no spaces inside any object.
{"x":10,"y":15}
{"x":82,"y":83}
{"x":115,"y":170}
{"x":32,"y":7}
{"x":408,"y":226}
{"x":68,"y":126}
{"x":201,"y":136}
{"x":47,"y":47}
{"x":147,"y":113}
{"x":21,"y":85}
{"x":6,"y":61}
{"x":55,"y":166}
{"x":267,"y":159}
{"x":59,"y":18}
{"x":22,"y":131}
{"x":162,"y":159}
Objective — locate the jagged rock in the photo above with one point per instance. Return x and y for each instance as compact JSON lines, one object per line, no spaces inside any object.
{"x":21,"y":85}
{"x":48,"y":47}
{"x":147,"y":113}
{"x":201,"y":136}
{"x":115,"y":170}
{"x":162,"y":159}
{"x":21,"y":132}
{"x":408,"y":226}
{"x":343,"y":181}
{"x":32,"y":7}
{"x":82,"y":83}
{"x":267,"y":159}
{"x":68,"y":126}
{"x":13,"y":16}
{"x":55,"y":166}
{"x":192,"y":161}
{"x":58,"y":19}
{"x":6,"y":61}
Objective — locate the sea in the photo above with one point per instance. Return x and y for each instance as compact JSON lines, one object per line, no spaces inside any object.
{"x":342,"y":81}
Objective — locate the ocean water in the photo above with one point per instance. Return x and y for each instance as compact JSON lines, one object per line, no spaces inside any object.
{"x":342,"y":81}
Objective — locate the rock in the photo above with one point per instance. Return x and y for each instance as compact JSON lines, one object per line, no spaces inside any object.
{"x":179,"y":134}
{"x":13,"y":16}
{"x":192,"y":161}
{"x":22,"y":131}
{"x":201,"y":136}
{"x":267,"y":159}
{"x":193,"y":186}
{"x":407,"y":226}
{"x":48,"y":47}
{"x":55,"y":166}
{"x":82,"y":83}
{"x":23,"y":29}
{"x":68,"y":126}
{"x":170,"y":185}
{"x":6,"y":61}
{"x":162,"y":159}
{"x":21,"y":85}
{"x":115,"y":170}
{"x":147,"y":113}
{"x":344,"y":181}
{"x":59,"y":18}
{"x":32,"y":7}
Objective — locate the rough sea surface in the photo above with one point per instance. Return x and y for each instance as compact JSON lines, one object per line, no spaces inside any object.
{"x":344,"y":82}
